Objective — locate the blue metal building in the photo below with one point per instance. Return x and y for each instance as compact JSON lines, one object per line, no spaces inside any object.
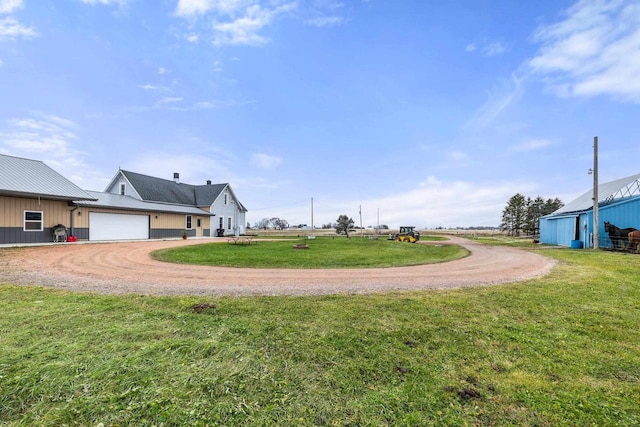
{"x":572,"y":224}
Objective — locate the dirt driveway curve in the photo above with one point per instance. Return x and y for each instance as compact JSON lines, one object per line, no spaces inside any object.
{"x":122,"y":268}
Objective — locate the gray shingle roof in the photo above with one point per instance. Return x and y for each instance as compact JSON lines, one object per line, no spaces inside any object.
{"x":32,"y":178}
{"x":607,"y":192}
{"x":117,"y":201}
{"x":160,"y":190}
{"x":167,"y":191}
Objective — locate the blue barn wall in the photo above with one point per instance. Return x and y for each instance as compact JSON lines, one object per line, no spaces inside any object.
{"x":560,"y":230}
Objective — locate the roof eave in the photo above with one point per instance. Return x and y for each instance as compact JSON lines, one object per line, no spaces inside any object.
{"x":45,"y":196}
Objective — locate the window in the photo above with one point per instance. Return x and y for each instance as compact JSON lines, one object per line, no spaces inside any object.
{"x":198,"y":223}
{"x":226,"y":199}
{"x":32,"y":221}
{"x":229,"y":223}
{"x":221,"y":223}
{"x":188,"y":226}
{"x":123,"y":188}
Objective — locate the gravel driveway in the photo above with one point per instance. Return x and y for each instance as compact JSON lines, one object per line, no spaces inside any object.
{"x":127,"y":268}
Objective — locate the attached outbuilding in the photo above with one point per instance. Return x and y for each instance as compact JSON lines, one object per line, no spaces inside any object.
{"x":572,"y":225}
{"x":34,"y":199}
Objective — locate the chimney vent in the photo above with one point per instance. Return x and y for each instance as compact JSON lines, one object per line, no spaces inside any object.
{"x":208,"y":182}
{"x":176,"y":177}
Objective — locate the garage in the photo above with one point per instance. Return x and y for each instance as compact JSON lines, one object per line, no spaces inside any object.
{"x":109,"y":226}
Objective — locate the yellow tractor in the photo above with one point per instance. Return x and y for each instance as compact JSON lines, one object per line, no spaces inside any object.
{"x":407,"y":234}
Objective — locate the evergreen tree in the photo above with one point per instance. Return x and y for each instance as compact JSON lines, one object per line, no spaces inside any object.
{"x":535,"y":209}
{"x":552,"y":205}
{"x":514,"y":214}
{"x":523,"y":214}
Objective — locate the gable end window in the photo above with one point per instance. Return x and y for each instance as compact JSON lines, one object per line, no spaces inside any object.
{"x":32,"y":220}
{"x":123,"y":188}
{"x":188,"y":225}
{"x":226,"y":199}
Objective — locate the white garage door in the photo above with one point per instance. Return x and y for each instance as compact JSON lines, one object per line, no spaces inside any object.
{"x":107,"y":226}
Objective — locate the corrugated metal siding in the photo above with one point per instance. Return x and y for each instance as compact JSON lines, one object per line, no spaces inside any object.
{"x":558,"y":230}
{"x":548,"y":231}
{"x":623,"y":214}
{"x":12,"y":211}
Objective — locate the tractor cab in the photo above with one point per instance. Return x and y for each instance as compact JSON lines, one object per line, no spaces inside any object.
{"x":407,"y":234}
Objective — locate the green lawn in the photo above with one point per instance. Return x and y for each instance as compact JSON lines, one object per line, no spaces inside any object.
{"x":322,"y":252}
{"x":561,"y":350}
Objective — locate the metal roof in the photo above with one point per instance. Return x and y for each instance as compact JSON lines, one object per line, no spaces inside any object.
{"x":117,"y":201}
{"x":608,"y":192}
{"x":32,"y":178}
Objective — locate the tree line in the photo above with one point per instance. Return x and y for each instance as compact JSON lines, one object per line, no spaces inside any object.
{"x":522,"y":214}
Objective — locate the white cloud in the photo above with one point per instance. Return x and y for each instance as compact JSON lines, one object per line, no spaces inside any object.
{"x":45,"y":137}
{"x":593,"y":50}
{"x":494,"y":49}
{"x":8,"y":6}
{"x":201,"y":7}
{"x":325,"y":21}
{"x":265,"y":161}
{"x":245,"y":30}
{"x":230,"y":22}
{"x":497,"y":102}
{"x":11,"y":29}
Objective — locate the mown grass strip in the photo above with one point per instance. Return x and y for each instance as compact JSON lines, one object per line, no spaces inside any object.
{"x":561,"y":350}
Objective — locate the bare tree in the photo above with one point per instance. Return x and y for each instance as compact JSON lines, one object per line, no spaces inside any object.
{"x":278,"y":223}
{"x":263,"y":224}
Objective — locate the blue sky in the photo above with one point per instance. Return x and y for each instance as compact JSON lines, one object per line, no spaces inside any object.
{"x":431,"y":113}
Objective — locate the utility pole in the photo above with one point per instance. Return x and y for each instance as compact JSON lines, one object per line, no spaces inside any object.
{"x":312,"y":215}
{"x":360,"y":212}
{"x":596,"y":230}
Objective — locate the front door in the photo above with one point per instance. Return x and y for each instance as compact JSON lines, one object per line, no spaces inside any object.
{"x":199,"y":227}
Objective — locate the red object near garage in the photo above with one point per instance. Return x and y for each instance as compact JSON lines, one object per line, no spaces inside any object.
{"x":72,"y":239}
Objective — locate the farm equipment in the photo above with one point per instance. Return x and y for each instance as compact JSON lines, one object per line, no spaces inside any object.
{"x":407,"y":234}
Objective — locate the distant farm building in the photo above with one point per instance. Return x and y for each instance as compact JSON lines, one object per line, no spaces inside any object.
{"x":619,"y":204}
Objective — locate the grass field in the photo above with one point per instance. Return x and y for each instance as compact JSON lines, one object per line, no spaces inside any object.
{"x":323,"y":252}
{"x":561,"y":350}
